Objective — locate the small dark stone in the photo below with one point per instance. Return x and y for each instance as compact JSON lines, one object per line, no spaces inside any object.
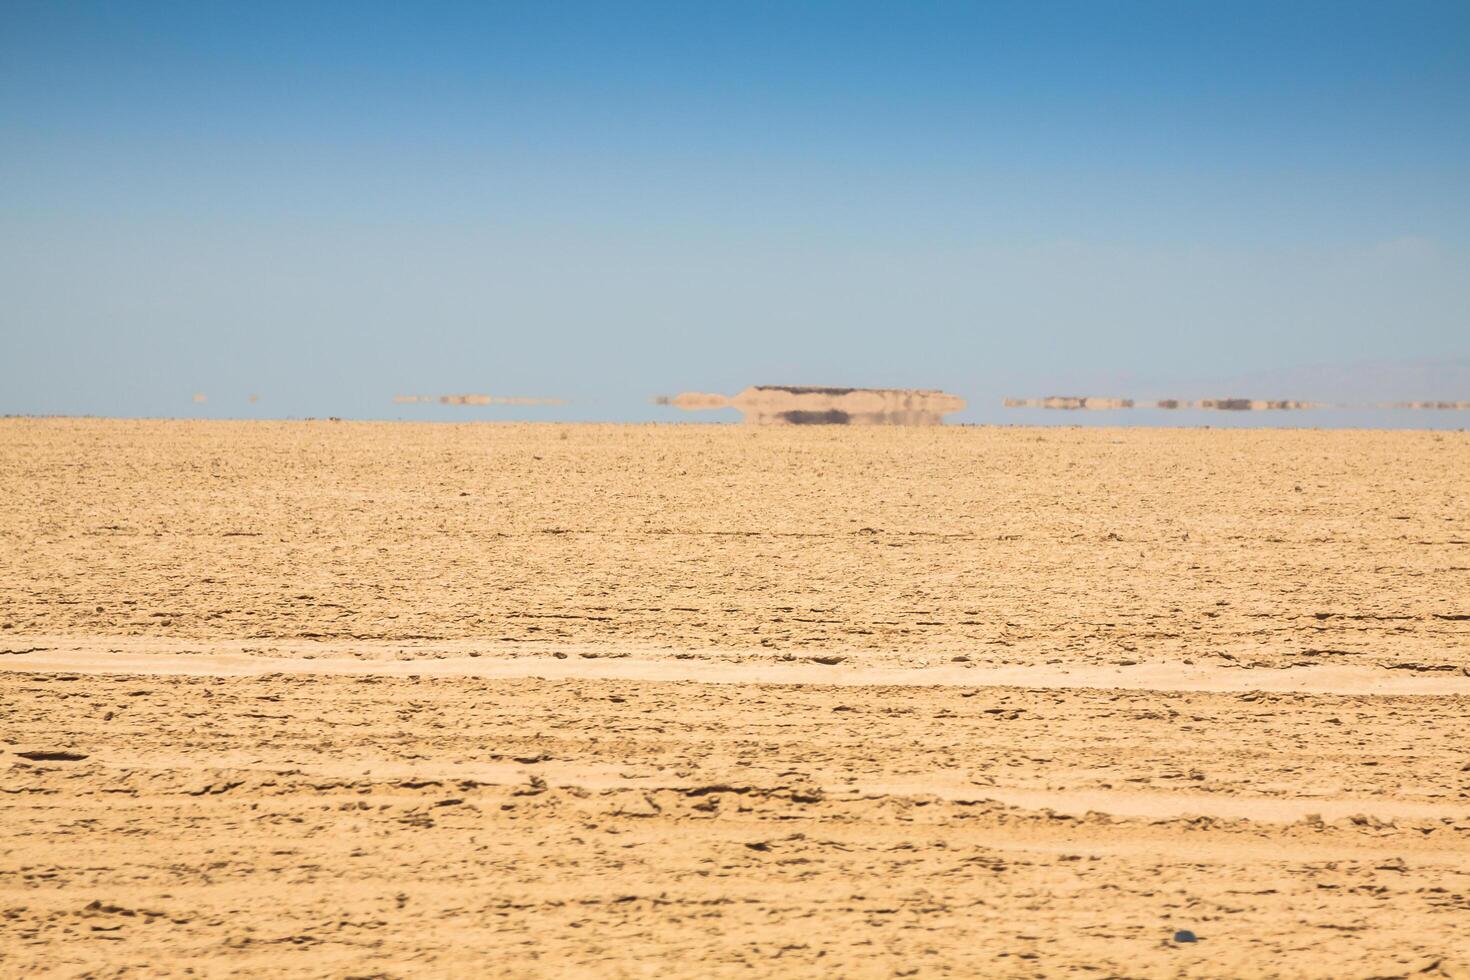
{"x":52,"y":755}
{"x":1185,"y":936}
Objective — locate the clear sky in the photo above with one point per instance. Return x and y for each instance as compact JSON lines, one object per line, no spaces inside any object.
{"x":328,"y":204}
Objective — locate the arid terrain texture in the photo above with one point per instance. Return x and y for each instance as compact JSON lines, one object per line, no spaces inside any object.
{"x":377,"y":699}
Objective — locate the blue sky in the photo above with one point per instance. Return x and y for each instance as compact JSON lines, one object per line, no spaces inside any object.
{"x":327,"y":204}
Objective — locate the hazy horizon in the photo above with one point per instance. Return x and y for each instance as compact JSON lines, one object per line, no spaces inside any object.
{"x":333,"y":205}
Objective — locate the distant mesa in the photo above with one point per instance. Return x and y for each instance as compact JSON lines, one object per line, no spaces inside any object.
{"x":1433,"y":406}
{"x":1070,"y":402}
{"x":1254,"y":404}
{"x":1080,"y":402}
{"x":473,"y":400}
{"x":788,"y":405}
{"x":1086,"y":402}
{"x":693,"y":401}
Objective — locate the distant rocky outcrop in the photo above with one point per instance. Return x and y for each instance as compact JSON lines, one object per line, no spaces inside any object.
{"x":796,"y":405}
{"x":473,"y":400}
{"x":1253,"y":404}
{"x":1070,"y":402}
{"x":1092,"y":402}
{"x":1449,"y":406}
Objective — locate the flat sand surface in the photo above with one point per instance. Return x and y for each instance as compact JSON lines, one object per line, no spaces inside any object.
{"x":385,"y":699}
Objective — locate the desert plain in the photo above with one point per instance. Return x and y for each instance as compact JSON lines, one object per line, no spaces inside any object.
{"x":387,"y":699}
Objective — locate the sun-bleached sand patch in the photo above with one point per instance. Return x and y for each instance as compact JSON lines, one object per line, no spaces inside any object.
{"x":137,"y":655}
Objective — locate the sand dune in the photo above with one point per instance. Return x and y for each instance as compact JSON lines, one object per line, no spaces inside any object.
{"x":732,"y":701}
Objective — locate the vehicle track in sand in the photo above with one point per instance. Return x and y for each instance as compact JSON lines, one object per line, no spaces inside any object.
{"x":130,"y":655}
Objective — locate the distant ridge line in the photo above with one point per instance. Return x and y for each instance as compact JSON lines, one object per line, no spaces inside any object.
{"x":1095,"y":403}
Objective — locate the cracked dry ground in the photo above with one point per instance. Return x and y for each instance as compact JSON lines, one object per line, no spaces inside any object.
{"x":292,"y":817}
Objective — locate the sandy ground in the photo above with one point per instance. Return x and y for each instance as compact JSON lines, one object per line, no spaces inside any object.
{"x":429,"y":700}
